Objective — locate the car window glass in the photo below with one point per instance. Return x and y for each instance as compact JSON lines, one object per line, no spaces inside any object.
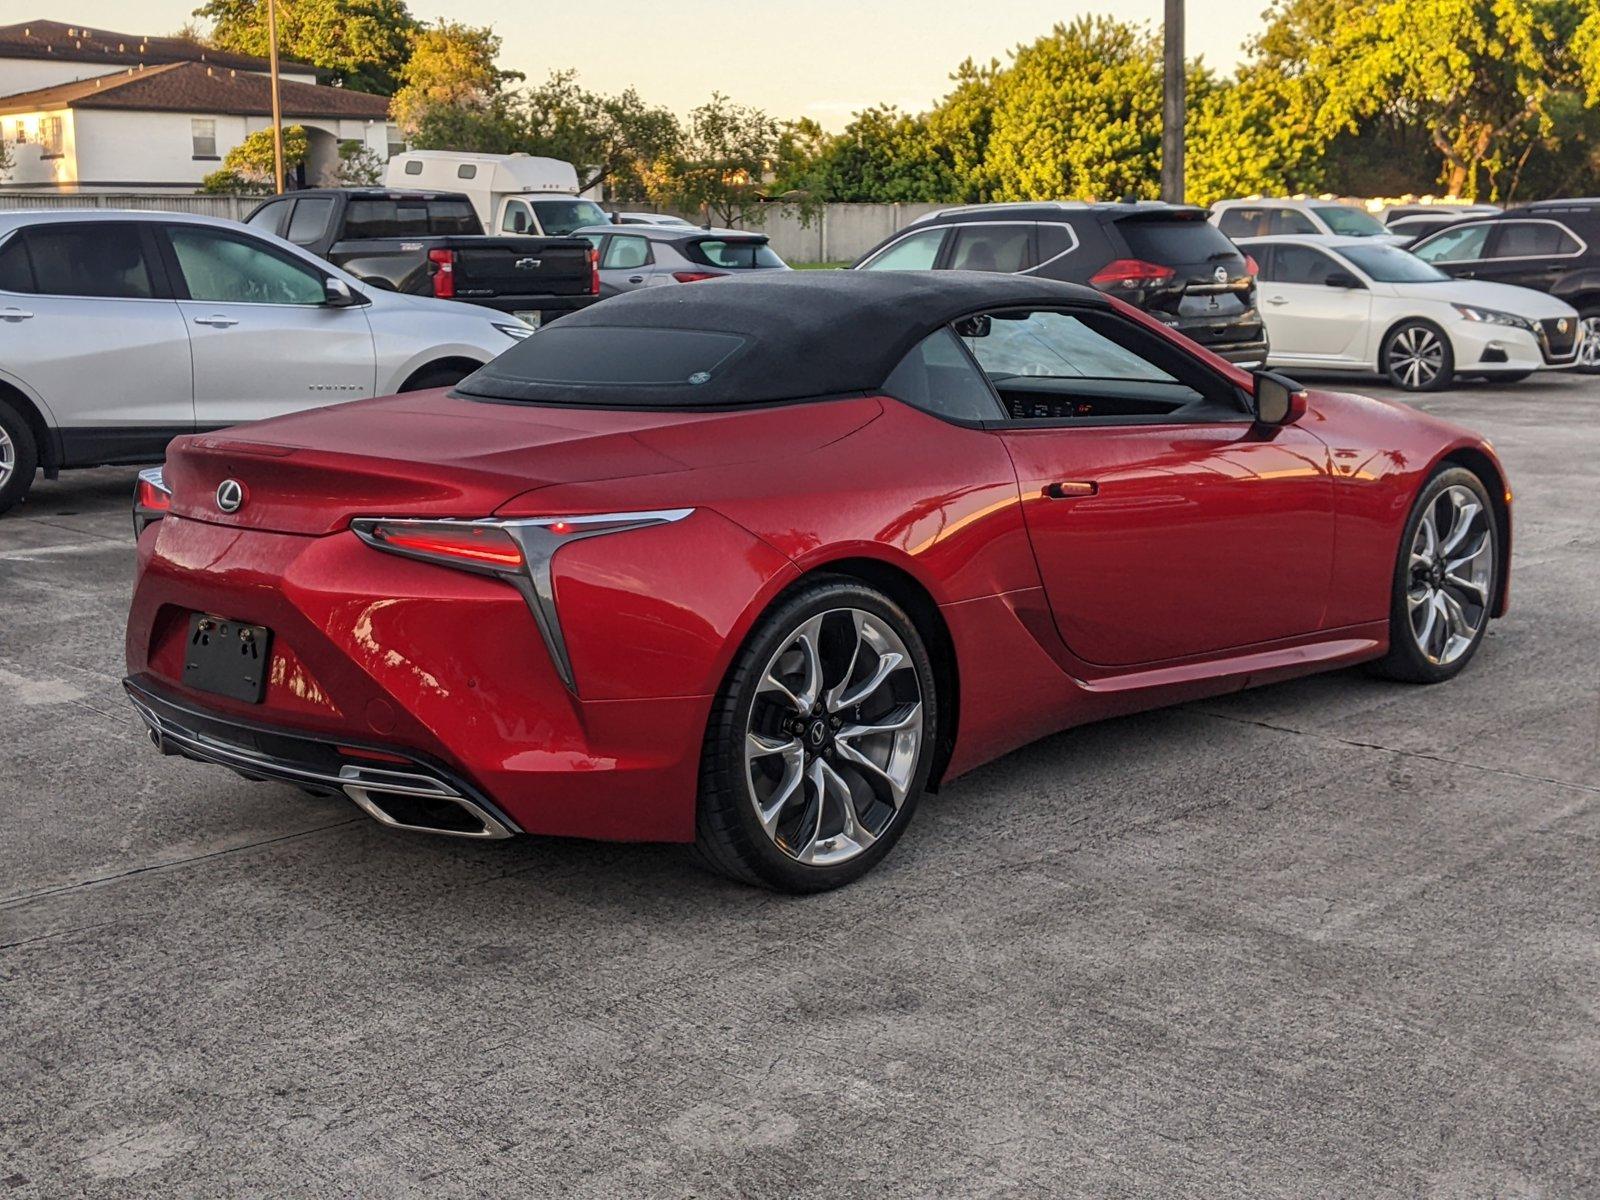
{"x":269,"y":217}
{"x":1054,"y":240}
{"x":916,"y":252}
{"x":217,"y":266}
{"x":1349,"y":222}
{"x":625,"y":253}
{"x":1177,"y":241}
{"x":1059,"y":366}
{"x":1299,"y":264}
{"x":1289,"y":220}
{"x":516,"y":218}
{"x":734,"y":255}
{"x":450,"y":218}
{"x":386,"y":219}
{"x":937,"y":377}
{"x":310,"y":220}
{"x":16,"y":272}
{"x":1242,"y":222}
{"x":1462,"y":244}
{"x":1533,"y":239}
{"x":560,"y":217}
{"x":105,"y":260}
{"x":1004,"y":248}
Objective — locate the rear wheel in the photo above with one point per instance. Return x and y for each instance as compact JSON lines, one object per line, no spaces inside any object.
{"x":1589,"y":341}
{"x":1417,"y":357}
{"x":1444,"y":580}
{"x":19,"y":457}
{"x":820,"y":742}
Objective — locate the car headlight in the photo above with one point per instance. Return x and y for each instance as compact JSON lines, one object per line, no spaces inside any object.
{"x":1492,"y":316}
{"x":515,"y":332}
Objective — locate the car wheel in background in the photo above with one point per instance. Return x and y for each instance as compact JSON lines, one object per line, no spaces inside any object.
{"x":1589,"y":345}
{"x":819,"y":743}
{"x":1417,"y":357}
{"x":1444,"y":581}
{"x":19,"y":457}
{"x":434,"y":377}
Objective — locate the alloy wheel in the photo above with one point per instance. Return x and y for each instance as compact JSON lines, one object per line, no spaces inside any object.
{"x":1451,"y":572}
{"x":834,"y":736}
{"x":1416,"y":356}
{"x":1589,"y":342}
{"x":8,"y":456}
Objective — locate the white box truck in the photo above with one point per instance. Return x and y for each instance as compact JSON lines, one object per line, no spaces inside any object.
{"x":513,"y":193}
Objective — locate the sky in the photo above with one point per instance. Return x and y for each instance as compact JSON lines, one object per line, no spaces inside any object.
{"x":817,"y":58}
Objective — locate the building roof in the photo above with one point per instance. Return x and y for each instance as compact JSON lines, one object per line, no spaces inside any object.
{"x":52,"y":40}
{"x":199,"y":88}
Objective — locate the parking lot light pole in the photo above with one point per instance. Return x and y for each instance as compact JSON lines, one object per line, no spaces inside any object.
{"x":277,"y":108}
{"x":1173,"y":108}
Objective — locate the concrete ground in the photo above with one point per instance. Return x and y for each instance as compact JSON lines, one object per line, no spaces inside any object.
{"x":1332,"y":938}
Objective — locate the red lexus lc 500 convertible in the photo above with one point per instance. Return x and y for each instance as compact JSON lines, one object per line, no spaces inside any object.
{"x":753,"y":564}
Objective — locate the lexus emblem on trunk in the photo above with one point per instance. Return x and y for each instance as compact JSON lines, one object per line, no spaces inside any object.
{"x":230,"y":495}
{"x":1220,"y":274}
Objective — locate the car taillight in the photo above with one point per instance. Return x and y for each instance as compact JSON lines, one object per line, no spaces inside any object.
{"x":594,"y":271}
{"x":1130,"y":273}
{"x":517,"y":550}
{"x":693,"y":276}
{"x":152,"y":499}
{"x":442,"y":266}
{"x":1251,"y":267}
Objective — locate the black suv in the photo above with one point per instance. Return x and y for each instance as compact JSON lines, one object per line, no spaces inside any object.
{"x":1552,"y":246}
{"x":1162,"y":258}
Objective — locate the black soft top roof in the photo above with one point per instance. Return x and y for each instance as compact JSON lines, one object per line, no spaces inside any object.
{"x":804,"y":334}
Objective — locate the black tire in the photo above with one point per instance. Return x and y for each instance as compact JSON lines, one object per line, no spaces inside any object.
{"x":434,"y":377}
{"x":730,"y":839}
{"x":20,"y":452}
{"x":1589,"y":318}
{"x":1405,"y":660}
{"x":1394,"y":360}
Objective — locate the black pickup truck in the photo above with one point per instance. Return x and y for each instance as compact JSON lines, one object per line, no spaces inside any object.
{"x":432,"y":244}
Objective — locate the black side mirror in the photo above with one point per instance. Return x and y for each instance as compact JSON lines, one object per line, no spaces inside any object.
{"x":1278,"y":399}
{"x":1343,"y":279}
{"x":973,"y":327}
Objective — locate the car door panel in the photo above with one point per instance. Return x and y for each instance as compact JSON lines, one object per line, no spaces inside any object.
{"x":1164,"y":542}
{"x":1307,"y":319}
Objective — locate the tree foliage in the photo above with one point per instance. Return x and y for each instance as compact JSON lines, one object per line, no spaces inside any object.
{"x":721,"y":163}
{"x":450,"y":66}
{"x":363,"y":43}
{"x":248,"y":167}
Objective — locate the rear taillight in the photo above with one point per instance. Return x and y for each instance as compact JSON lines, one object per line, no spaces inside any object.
{"x":1130,"y":273}
{"x":693,"y":276}
{"x":442,"y":266}
{"x":517,"y":550}
{"x":152,"y":499}
{"x":1251,"y":267}
{"x":594,"y":271}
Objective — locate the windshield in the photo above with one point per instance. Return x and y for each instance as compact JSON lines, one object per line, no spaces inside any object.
{"x":1390,"y":264}
{"x":1349,"y":222}
{"x":560,"y":217}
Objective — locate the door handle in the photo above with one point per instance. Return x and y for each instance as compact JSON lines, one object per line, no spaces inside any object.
{"x":635,"y":278}
{"x":14,"y":314}
{"x":216,"y":322}
{"x":1071,"y":489}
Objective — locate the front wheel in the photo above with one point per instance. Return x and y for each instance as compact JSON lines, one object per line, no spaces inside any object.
{"x":19,"y":457}
{"x":1417,"y":357}
{"x":1589,"y":341}
{"x":1444,"y":581}
{"x":819,"y":743}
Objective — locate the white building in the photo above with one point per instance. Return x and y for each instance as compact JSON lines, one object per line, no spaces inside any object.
{"x":100,"y":110}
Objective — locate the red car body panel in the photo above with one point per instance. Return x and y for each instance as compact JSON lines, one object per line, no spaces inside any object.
{"x":1209,"y":558}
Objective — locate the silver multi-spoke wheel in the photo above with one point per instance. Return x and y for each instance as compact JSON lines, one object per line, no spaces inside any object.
{"x":1416,"y":357}
{"x":8,"y":456}
{"x":1450,"y":575}
{"x":1589,"y":343}
{"x":834,"y":736}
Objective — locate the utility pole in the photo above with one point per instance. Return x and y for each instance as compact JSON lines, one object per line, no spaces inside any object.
{"x":277,"y":109}
{"x":1173,"y":107}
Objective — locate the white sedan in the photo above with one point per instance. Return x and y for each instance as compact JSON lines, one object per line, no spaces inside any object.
{"x":1351,"y":304}
{"x":121,"y":330}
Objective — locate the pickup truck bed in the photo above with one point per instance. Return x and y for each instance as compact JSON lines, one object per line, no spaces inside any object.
{"x":432,"y":244}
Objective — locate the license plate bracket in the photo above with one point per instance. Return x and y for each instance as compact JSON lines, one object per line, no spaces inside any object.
{"x":227,"y":658}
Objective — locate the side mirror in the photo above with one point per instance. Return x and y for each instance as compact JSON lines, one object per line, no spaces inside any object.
{"x":1343,"y":279}
{"x":976,"y":326}
{"x":337,"y":293}
{"x":1279,"y":400}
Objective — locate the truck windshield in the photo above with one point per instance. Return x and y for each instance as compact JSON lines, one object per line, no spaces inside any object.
{"x":560,"y":217}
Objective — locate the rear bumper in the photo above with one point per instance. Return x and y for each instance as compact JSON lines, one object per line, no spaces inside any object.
{"x":1240,"y":354}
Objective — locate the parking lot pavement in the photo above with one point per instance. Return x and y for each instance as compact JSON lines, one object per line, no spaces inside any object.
{"x":1331,"y":938}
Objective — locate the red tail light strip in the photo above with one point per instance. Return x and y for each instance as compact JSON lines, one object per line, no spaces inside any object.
{"x":518,"y":551}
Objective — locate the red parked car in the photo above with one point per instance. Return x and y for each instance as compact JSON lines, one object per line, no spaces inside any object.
{"x":755,"y":563}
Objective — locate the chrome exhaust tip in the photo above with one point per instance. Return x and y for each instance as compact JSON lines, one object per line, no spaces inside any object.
{"x":418,"y":804}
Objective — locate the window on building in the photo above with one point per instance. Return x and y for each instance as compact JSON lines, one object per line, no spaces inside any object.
{"x":51,"y":143}
{"x":397,"y":144}
{"x":203,"y":134}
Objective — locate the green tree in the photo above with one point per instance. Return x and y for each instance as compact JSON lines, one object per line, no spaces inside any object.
{"x":248,"y":168}
{"x":959,"y":129}
{"x":883,"y":156}
{"x":358,"y":166}
{"x":363,"y":43}
{"x":720,"y":168}
{"x":451,"y":66}
{"x":612,"y":140}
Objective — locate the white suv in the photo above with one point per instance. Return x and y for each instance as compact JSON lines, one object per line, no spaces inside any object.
{"x":121,"y":330}
{"x":1269,"y":218}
